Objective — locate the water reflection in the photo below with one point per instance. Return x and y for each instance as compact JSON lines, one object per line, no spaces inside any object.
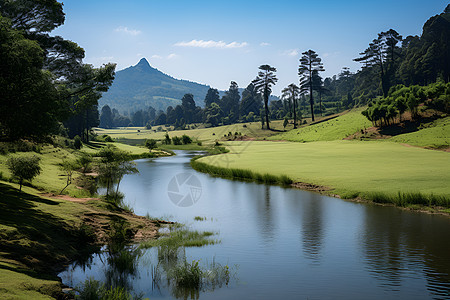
{"x":403,"y":246}
{"x":312,"y":214}
{"x":288,"y":243}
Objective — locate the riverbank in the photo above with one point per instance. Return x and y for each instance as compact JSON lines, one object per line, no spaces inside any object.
{"x":40,"y":235}
{"x":42,"y":232}
{"x":374,"y":171}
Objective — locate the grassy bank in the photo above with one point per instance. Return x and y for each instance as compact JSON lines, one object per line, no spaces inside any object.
{"x":334,"y":129}
{"x":348,"y":168}
{"x":240,"y":174}
{"x":39,"y":236}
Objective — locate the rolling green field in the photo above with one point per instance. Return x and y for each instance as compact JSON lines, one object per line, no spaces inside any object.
{"x":334,"y":129}
{"x":205,"y":135}
{"x":436,"y":136}
{"x":350,"y":167}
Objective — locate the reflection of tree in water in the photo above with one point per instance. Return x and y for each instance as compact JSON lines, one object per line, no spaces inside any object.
{"x":262,"y":196}
{"x":312,"y":227}
{"x":400,"y":245}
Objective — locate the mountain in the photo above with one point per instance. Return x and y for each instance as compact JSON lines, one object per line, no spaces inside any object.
{"x":141,"y":86}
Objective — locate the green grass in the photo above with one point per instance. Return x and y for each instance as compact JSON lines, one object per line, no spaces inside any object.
{"x":181,"y":238}
{"x":334,"y":129}
{"x":238,"y":173}
{"x":350,"y":167}
{"x":52,"y":178}
{"x":435,"y":136}
{"x":205,"y":135}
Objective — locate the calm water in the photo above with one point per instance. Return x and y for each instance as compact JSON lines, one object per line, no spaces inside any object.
{"x":288,"y":243}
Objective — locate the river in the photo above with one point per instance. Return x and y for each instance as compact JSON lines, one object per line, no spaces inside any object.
{"x":286,"y":243}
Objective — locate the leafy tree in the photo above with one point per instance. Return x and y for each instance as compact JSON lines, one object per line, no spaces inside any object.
{"x":24,"y":168}
{"x":29,"y":101}
{"x":251,"y":101}
{"x":381,"y":54}
{"x":212,"y":96}
{"x":310,"y":65}
{"x":186,"y":139}
{"x":188,"y":106}
{"x":68,"y":167}
{"x":106,"y":117}
{"x":151,"y":144}
{"x":291,"y":92}
{"x":213,"y":114}
{"x":78,"y":85}
{"x":263,"y":84}
{"x":176,"y":140}
{"x":84,"y":161}
{"x":230,"y":102}
{"x":113,"y":166}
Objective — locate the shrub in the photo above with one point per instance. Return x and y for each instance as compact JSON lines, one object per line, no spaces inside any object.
{"x":77,"y":142}
{"x":186,"y":139}
{"x":176,"y":140}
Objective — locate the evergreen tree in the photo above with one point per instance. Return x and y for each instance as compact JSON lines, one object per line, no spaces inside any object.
{"x":263,"y":84}
{"x":310,"y":65}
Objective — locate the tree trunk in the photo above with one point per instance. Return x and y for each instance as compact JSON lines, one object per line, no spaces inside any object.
{"x":20,"y":184}
{"x":311,"y":99}
{"x":266,"y":107}
{"x":295,"y":112}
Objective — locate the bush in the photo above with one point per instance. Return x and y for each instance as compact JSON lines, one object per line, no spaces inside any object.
{"x":176,"y":140}
{"x":77,"y":142}
{"x":186,"y":139}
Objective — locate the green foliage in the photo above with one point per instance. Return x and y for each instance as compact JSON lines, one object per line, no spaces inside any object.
{"x":113,"y":166}
{"x":176,"y":140}
{"x":263,"y":84}
{"x":186,"y":139}
{"x":383,"y":111}
{"x":151,"y":144}
{"x":407,"y":199}
{"x":240,"y":174}
{"x":24,"y":167}
{"x":77,"y":142}
{"x":92,"y":289}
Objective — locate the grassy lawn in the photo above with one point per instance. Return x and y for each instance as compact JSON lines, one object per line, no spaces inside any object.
{"x":334,"y":129}
{"x":436,"y":136}
{"x":347,"y":166}
{"x":52,"y":178}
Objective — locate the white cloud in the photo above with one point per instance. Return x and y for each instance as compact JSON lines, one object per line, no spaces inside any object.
{"x":264,"y":44}
{"x":172,"y":56}
{"x":126,"y":30}
{"x":291,"y":52}
{"x":156,"y":56}
{"x":211,"y":44}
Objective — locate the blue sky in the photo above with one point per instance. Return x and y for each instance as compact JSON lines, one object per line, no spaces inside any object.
{"x":215,"y":42}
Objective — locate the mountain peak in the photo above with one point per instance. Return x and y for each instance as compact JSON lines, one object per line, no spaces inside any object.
{"x":143,"y":64}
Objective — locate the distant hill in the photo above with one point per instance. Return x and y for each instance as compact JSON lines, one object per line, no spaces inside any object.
{"x":141,"y":86}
